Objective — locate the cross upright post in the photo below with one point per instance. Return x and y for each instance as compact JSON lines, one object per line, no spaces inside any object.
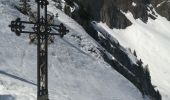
{"x":42,"y":29}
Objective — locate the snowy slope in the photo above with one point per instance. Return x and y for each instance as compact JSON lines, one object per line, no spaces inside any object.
{"x":75,"y":73}
{"x":152,"y":43}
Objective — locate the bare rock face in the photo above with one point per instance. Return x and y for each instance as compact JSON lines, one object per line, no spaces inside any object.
{"x":111,"y":14}
{"x":110,"y":11}
{"x":140,"y":9}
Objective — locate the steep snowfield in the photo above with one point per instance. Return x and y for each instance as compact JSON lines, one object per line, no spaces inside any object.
{"x":152,"y":43}
{"x":75,"y":73}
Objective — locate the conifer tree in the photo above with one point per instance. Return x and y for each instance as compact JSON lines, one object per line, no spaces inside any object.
{"x":134,"y":53}
{"x":130,"y":50}
{"x":67,"y":10}
{"x":147,"y":73}
{"x":140,"y":63}
{"x":58,"y":4}
{"x":158,"y":95}
{"x":24,"y":6}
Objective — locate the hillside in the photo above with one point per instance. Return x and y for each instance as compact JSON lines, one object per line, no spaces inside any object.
{"x":142,"y":26}
{"x":151,"y":42}
{"x":75,"y":72}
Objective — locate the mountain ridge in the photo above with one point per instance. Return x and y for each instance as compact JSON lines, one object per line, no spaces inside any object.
{"x":75,"y":70}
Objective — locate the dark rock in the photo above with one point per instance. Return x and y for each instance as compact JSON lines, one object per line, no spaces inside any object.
{"x":113,"y":17}
{"x":110,"y":11}
{"x":162,"y":7}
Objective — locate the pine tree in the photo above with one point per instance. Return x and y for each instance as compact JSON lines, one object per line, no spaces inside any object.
{"x":67,"y":10}
{"x":158,"y":95}
{"x":147,"y":73}
{"x":58,"y":4}
{"x":24,"y":6}
{"x":140,"y":63}
{"x":134,"y":53}
{"x":130,"y":50}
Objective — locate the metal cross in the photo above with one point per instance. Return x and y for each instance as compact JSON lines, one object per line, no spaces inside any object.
{"x":43,"y":30}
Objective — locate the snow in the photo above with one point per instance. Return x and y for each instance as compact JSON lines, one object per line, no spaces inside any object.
{"x":134,"y":4}
{"x":105,"y":34}
{"x":152,"y":44}
{"x":75,"y":73}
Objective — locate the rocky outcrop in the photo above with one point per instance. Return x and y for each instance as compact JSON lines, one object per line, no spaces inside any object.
{"x":110,"y":11}
{"x":112,"y":15}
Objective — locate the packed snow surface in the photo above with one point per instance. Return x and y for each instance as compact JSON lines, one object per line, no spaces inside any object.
{"x":75,"y":73}
{"x":152,"y":44}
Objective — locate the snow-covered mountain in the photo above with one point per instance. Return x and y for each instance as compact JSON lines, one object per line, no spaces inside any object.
{"x":141,"y":25}
{"x":77,"y":70}
{"x":151,"y":42}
